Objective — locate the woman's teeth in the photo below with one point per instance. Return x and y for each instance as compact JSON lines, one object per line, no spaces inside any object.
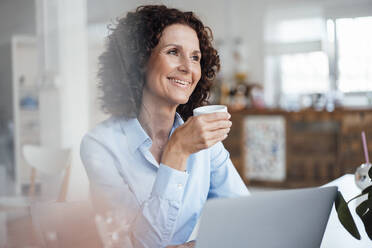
{"x":179,"y":81}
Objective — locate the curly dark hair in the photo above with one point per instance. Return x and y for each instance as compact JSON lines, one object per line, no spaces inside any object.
{"x":122,"y":72}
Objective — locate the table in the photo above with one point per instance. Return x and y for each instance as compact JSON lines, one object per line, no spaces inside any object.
{"x":335,"y":234}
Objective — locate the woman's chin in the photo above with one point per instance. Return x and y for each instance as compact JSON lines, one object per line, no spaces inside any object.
{"x":180,"y":100}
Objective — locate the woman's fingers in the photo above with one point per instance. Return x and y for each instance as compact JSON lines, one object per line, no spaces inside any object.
{"x":211,"y":121}
{"x":218,"y":125}
{"x":215,"y":116}
{"x":212,"y":137}
{"x":219,"y":133}
{"x":216,"y":139}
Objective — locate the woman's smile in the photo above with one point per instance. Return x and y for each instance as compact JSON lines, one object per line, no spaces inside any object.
{"x":174,"y":67}
{"x":179,"y":82}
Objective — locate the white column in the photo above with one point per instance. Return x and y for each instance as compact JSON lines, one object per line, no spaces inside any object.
{"x":48,"y":47}
{"x":64,"y":95}
{"x":74,"y":86}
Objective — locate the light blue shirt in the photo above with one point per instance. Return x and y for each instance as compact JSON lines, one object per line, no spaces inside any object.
{"x":160,"y":205}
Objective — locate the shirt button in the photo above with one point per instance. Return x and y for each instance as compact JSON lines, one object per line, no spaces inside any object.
{"x":180,"y":185}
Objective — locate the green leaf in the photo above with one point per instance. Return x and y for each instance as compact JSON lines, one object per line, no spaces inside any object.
{"x":345,"y":216}
{"x":364,"y":211}
{"x":362,"y":208}
{"x":367,"y":190}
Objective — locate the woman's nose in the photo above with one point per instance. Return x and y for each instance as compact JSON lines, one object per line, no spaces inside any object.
{"x":185,"y":65}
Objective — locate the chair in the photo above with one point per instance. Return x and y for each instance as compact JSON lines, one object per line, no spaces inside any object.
{"x":50,"y":162}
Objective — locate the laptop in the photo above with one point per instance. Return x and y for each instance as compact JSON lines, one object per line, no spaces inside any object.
{"x":286,"y":218}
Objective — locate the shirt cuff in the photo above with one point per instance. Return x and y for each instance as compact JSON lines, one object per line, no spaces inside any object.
{"x":170,"y":183}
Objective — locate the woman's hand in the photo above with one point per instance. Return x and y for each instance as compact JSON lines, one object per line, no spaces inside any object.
{"x":197,"y":133}
{"x":201,"y":132}
{"x":190,"y":244}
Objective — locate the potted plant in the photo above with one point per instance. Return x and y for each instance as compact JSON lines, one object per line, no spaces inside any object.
{"x":364,"y":209}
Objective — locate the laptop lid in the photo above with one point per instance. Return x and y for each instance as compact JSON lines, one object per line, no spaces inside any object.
{"x":285,"y":218}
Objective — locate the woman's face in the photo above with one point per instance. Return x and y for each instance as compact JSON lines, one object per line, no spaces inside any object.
{"x":173,"y":69}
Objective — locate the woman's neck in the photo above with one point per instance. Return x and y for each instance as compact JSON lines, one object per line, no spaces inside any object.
{"x":157,"y":121}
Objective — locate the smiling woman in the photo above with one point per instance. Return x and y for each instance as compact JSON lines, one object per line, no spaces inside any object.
{"x":173,"y":68}
{"x":152,"y":163}
{"x":128,"y":49}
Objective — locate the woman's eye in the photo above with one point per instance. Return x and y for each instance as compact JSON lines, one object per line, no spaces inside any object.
{"x":196,"y":58}
{"x":173,"y":52}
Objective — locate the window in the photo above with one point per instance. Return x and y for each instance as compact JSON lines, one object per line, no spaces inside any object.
{"x":302,"y":64}
{"x":304,"y":73}
{"x":342,"y":59}
{"x":354,"y":54}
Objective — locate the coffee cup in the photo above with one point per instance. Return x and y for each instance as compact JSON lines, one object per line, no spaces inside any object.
{"x":209,"y":109}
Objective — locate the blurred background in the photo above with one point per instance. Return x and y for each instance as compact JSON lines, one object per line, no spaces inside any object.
{"x":296,"y":76}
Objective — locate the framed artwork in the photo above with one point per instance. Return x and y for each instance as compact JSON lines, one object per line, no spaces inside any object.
{"x":265,"y":148}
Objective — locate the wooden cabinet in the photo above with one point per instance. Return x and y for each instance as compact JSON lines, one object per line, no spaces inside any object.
{"x":320,"y":146}
{"x":312,"y":148}
{"x":350,"y":153}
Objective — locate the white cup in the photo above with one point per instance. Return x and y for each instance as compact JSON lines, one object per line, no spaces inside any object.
{"x":209,"y":109}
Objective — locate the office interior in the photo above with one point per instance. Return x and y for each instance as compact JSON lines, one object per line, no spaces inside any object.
{"x":296,"y":77}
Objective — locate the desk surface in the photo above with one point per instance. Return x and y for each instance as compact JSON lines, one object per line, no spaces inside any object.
{"x":335,"y":234}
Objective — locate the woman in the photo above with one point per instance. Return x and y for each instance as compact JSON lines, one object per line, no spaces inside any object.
{"x":145,"y":161}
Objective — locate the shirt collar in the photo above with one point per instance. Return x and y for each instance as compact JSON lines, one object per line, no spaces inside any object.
{"x":178,"y":121}
{"x":137,"y":135}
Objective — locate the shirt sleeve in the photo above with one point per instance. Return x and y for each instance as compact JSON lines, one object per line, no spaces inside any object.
{"x":225,"y":180}
{"x":150,"y":224}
